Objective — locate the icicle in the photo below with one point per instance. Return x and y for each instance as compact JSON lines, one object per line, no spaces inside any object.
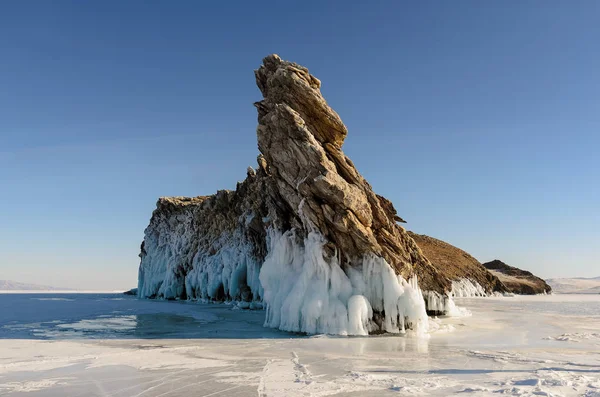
{"x":304,"y":292}
{"x":465,"y":288}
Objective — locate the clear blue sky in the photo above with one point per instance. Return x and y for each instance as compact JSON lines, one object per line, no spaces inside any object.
{"x":479,"y":120}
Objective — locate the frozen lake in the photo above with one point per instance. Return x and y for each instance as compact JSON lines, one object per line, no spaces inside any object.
{"x":112,"y":345}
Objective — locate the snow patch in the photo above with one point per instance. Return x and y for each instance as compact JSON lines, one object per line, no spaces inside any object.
{"x":32,"y":386}
{"x":575,"y":337}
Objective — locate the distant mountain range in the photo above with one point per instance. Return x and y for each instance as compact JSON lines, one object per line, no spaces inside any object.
{"x":8,"y":285}
{"x":576,"y":285}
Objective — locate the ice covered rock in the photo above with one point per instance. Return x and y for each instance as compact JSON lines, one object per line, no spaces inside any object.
{"x":304,"y":234}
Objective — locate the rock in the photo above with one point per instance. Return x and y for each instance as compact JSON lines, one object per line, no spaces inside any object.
{"x":494,"y":276}
{"x":457,"y":264}
{"x":131,"y":292}
{"x":307,"y":203}
{"x":301,"y":137}
{"x":516,"y":280}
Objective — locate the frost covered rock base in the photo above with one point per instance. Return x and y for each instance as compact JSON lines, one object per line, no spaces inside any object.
{"x":305,"y":292}
{"x":304,"y":234}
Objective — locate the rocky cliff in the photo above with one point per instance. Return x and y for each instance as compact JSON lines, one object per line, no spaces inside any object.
{"x":304,"y":234}
{"x":516,"y":280}
{"x":469,"y":277}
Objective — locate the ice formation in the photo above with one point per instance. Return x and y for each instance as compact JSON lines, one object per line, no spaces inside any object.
{"x":306,"y":293}
{"x":228,"y":271}
{"x":465,"y":288}
{"x":232,"y":269}
{"x":301,"y":290}
{"x":462,"y":288}
{"x":304,"y":236}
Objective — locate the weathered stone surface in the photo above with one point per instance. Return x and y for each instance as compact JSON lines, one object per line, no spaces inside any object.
{"x":301,"y":138}
{"x":303,"y":182}
{"x":516,"y":280}
{"x":457,"y":264}
{"x":189,"y":239}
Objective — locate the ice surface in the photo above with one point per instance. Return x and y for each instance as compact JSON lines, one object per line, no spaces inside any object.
{"x":503,"y":349}
{"x":95,"y":316}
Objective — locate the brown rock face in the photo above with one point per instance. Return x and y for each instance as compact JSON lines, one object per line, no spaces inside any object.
{"x":214,"y":247}
{"x":457,"y":264}
{"x":190,"y":239}
{"x":301,"y":138}
{"x":516,"y":280}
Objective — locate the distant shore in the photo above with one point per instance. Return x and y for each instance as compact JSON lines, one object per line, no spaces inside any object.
{"x":60,"y":292}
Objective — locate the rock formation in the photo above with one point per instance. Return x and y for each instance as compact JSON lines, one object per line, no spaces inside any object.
{"x":471,"y":278}
{"x":301,"y":138}
{"x":516,"y":280}
{"x":304,"y":234}
{"x":458,"y":266}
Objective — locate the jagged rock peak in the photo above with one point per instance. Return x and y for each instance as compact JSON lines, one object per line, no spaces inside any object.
{"x":289,"y":83}
{"x":300,"y":137}
{"x":303,"y":234}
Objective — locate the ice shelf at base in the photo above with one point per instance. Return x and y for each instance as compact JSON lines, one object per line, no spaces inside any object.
{"x":230,"y":273}
{"x":301,"y":291}
{"x":305,"y":293}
